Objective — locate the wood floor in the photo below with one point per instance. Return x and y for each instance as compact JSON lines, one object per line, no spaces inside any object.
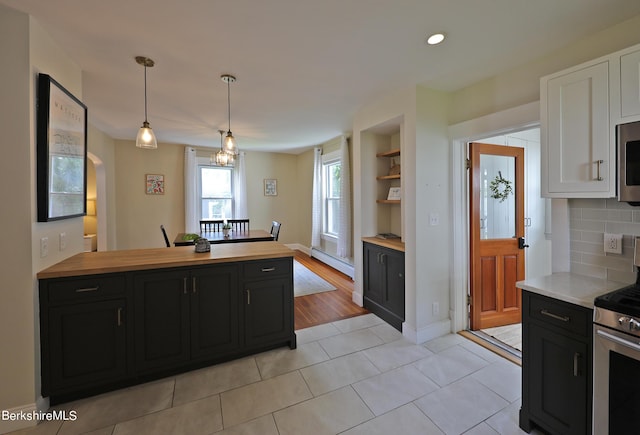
{"x":325,"y":307}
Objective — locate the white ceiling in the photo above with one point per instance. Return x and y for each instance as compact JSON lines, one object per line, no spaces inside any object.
{"x":303,"y":67}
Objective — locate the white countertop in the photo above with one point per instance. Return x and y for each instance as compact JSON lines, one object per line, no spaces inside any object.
{"x":570,"y":287}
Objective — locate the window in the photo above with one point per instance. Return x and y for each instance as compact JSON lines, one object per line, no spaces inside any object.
{"x":331,"y":197}
{"x":215,"y":190}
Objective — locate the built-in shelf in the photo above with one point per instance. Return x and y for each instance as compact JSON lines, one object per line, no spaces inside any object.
{"x":388,"y":177}
{"x":390,"y":153}
{"x":388,"y":201}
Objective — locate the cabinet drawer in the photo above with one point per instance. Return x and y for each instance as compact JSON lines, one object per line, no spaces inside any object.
{"x":86,"y":288}
{"x":266,"y":268}
{"x":560,"y":314}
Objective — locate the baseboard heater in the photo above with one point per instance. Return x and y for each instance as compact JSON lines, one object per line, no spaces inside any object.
{"x":334,"y":262}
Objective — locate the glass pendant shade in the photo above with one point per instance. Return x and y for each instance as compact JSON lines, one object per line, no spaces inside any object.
{"x":222,"y":158}
{"x":230,"y":143}
{"x":146,"y":138}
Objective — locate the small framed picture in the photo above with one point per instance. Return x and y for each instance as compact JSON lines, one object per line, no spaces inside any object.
{"x":155,"y":184}
{"x":394,"y":193}
{"x":270,"y":187}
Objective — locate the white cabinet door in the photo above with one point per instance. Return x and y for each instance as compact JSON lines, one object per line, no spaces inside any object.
{"x":578,"y":150}
{"x":630,"y":84}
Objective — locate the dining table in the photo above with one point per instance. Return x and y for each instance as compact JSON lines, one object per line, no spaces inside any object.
{"x":216,"y":237}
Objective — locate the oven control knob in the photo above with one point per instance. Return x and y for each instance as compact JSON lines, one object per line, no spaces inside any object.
{"x":634,"y":325}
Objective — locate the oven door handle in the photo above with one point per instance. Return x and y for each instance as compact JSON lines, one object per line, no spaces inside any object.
{"x":618,"y":340}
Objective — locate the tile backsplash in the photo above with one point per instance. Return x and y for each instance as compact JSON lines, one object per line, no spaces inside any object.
{"x":589,"y":219}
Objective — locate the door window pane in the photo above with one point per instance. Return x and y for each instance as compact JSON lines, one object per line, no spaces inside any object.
{"x":497,"y":197}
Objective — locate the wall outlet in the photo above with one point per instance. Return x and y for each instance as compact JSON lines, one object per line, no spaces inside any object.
{"x":434,"y":219}
{"x":613,"y":243}
{"x":63,"y":241}
{"x":435,"y":308}
{"x":44,"y":247}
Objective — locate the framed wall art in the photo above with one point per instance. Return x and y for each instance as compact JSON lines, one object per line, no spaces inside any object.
{"x":61,"y":152}
{"x":155,"y":184}
{"x":270,"y":187}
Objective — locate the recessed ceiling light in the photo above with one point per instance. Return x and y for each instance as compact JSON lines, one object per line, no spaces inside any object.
{"x":435,"y":39}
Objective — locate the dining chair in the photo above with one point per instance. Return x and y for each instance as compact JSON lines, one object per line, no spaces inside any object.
{"x":209,"y":225}
{"x":239,"y":224}
{"x":275,"y":229}
{"x":164,"y":233}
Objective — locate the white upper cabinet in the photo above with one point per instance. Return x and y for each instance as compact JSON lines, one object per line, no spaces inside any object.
{"x":578,"y":149}
{"x":630,"y":84}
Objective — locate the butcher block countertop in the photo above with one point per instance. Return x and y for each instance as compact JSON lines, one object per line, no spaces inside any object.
{"x":90,"y":263}
{"x":396,"y":244}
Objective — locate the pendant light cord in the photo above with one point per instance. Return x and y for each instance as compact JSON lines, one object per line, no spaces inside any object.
{"x":229,"y":104}
{"x":145,"y":92}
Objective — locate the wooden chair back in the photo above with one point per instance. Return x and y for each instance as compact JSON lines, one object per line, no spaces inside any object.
{"x":164,"y":233}
{"x":239,"y":224}
{"x":275,"y":229}
{"x":210,"y":225}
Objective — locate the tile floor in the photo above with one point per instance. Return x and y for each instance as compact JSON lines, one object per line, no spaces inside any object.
{"x":354,"y":376}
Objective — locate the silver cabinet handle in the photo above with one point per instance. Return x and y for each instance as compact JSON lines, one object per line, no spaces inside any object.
{"x":87,"y":289}
{"x":598,"y":176}
{"x":248,"y":297}
{"x":184,"y":285}
{"x":268,"y":269}
{"x":576,"y":364}
{"x":193,"y":284}
{"x":555,"y":316}
{"x":119,"y":316}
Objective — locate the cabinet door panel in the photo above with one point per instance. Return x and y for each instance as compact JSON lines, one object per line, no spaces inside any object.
{"x":578,"y":133}
{"x":161,"y":319}
{"x":87,"y":344}
{"x":630,"y":84}
{"x":214,"y":311}
{"x":268,"y":306}
{"x":373,"y":285}
{"x":393,"y":264}
{"x":558,"y":380}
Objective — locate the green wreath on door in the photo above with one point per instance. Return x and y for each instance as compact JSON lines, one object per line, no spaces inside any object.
{"x":500,"y":188}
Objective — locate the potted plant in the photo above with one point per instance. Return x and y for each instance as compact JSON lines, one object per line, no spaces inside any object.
{"x":226,"y":228}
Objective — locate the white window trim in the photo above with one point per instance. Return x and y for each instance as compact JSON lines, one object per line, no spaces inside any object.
{"x":205,"y":161}
{"x":331,"y":157}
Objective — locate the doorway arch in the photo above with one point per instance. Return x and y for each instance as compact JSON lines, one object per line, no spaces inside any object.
{"x":101,"y":201}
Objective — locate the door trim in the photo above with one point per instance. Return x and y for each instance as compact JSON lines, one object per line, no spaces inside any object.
{"x":515,"y":119}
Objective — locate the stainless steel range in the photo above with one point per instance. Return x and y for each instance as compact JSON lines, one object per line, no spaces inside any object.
{"x":616,"y":359}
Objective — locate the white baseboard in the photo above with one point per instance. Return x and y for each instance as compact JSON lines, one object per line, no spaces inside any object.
{"x":357,"y":298}
{"x":429,"y":332}
{"x":299,"y":247}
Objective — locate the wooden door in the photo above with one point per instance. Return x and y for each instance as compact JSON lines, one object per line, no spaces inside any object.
{"x":497,"y":234}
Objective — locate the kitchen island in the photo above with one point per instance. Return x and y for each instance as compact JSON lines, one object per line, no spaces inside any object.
{"x":116,"y":318}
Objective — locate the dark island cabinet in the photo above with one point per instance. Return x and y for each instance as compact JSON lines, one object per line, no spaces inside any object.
{"x":556,"y":366}
{"x":83,"y":332}
{"x":268,"y":303}
{"x":102,"y":332}
{"x":384,"y":283}
{"x":184,"y":315}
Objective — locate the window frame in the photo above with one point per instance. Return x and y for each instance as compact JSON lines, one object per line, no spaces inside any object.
{"x":328,"y":160}
{"x":205,"y":164}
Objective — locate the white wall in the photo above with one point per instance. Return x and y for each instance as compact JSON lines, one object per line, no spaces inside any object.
{"x":31,"y":51}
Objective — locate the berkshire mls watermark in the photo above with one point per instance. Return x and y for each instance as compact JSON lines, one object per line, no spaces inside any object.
{"x":34,"y":415}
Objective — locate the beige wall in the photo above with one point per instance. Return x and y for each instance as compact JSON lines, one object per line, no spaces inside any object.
{"x":522,"y":85}
{"x":139,"y":215}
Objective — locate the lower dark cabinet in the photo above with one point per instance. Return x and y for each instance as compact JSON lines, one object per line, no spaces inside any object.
{"x":383,"y":291}
{"x":87,"y":345}
{"x":185,"y":315}
{"x":101,"y":332}
{"x":556,"y":366}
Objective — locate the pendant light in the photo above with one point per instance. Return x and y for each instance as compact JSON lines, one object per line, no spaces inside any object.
{"x":146,"y":139}
{"x":222,"y":157}
{"x":229,"y":141}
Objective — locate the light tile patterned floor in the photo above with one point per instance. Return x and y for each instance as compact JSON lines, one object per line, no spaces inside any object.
{"x":354,"y":376}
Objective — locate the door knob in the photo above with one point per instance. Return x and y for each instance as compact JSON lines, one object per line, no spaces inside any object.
{"x":521,"y":244}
